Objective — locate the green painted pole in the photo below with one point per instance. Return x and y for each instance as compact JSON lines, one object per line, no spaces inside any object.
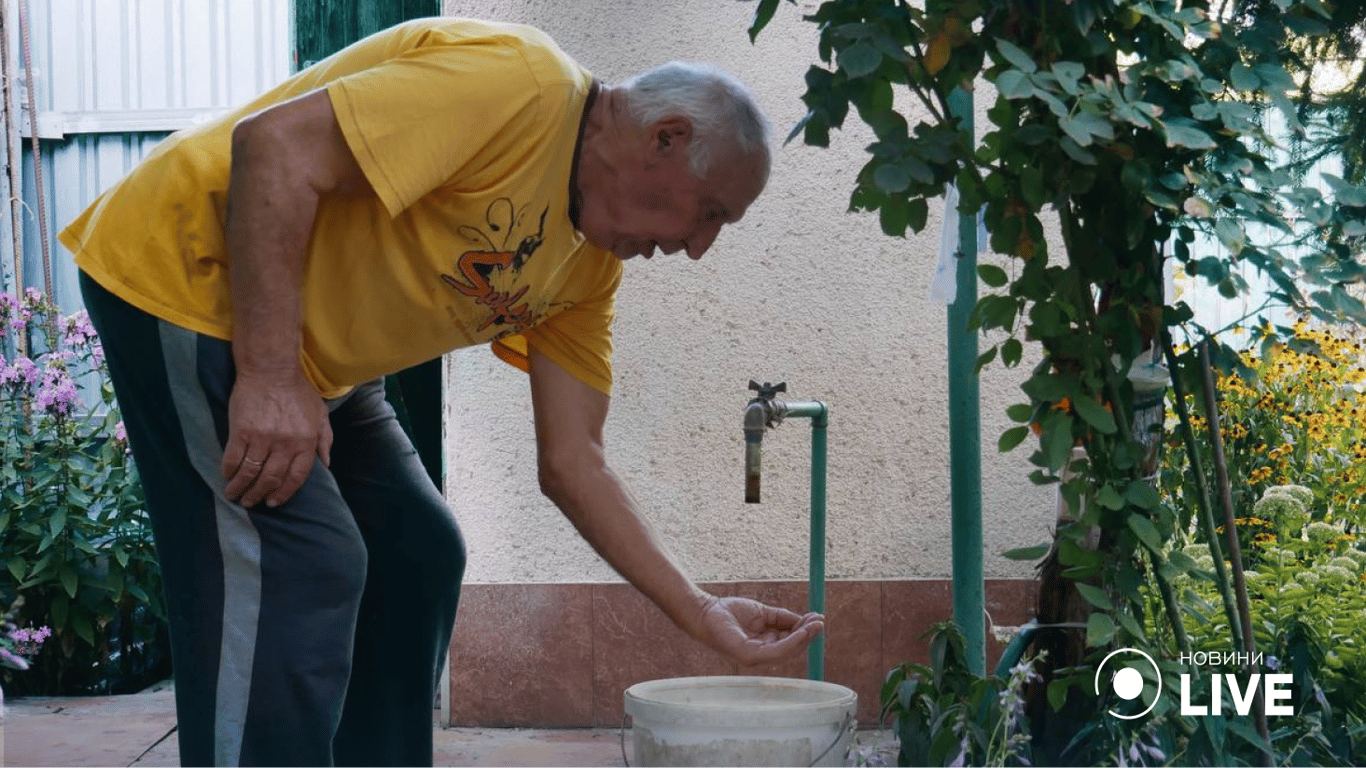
{"x":820,"y":419}
{"x":965,"y":439}
{"x":815,"y":655}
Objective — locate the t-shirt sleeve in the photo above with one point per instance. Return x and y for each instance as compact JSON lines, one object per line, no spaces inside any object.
{"x":578,"y":338}
{"x":433,"y":115}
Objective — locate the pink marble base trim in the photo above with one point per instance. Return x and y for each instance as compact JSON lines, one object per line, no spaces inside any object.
{"x":561,"y":655}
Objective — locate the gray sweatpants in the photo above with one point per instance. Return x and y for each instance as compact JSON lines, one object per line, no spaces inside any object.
{"x":309,"y":634}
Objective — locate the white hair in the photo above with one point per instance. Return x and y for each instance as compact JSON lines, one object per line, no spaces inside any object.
{"x":722,"y":111}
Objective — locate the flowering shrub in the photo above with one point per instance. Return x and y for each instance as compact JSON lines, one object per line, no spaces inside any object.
{"x":29,"y":641}
{"x":1290,"y":420}
{"x":1293,"y":415}
{"x":1307,"y":592}
{"x":74,"y":538}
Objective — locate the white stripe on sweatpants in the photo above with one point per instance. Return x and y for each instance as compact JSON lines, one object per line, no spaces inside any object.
{"x":238,"y":541}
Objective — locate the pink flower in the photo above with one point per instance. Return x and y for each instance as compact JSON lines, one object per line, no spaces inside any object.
{"x":8,"y":308}
{"x":31,"y":635}
{"x":30,"y":640}
{"x":120,"y":432}
{"x":57,"y":394}
{"x":25,"y":371}
{"x":19,"y":316}
{"x":78,"y":331}
{"x":57,"y":399}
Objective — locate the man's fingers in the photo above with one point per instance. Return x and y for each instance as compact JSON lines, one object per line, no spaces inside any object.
{"x":269,"y":478}
{"x":325,"y":443}
{"x":298,"y":473}
{"x":274,"y":479}
{"x":233,"y":453}
{"x":781,"y":618}
{"x":241,"y":474}
{"x":785,"y":635}
{"x":765,"y":651}
{"x":754,"y":633}
{"x":276,"y":429}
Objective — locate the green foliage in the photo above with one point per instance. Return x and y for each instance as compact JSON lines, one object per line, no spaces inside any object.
{"x":74,"y":536}
{"x":1321,"y":55}
{"x":1132,"y":120}
{"x":946,"y":715}
{"x":1308,"y":607}
{"x":1141,"y":127}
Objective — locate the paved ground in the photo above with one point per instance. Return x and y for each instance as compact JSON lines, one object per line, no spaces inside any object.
{"x":140,"y":730}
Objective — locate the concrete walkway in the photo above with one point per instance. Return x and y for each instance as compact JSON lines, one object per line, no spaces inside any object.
{"x":139,"y":729}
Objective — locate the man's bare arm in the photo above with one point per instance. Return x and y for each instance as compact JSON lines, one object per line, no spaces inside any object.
{"x":574,"y":474}
{"x":284,"y":159}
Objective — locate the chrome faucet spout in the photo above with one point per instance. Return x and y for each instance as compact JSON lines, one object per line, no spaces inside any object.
{"x":761,"y":413}
{"x":756,"y":421}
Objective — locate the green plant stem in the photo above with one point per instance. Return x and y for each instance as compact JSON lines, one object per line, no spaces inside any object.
{"x":1225,"y":496}
{"x":1091,"y":324}
{"x":1169,"y":603}
{"x":1216,"y":440}
{"x":1122,"y":421}
{"x":937,"y":111}
{"x":1203,"y":502}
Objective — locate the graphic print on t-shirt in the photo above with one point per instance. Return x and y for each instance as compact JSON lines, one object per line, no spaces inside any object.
{"x":490,"y":276}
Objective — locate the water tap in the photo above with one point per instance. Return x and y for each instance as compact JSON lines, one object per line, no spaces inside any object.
{"x":762,"y":412}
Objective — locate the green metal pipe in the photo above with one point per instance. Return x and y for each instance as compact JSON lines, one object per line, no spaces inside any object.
{"x":820,"y":419}
{"x":766,"y":411}
{"x":965,"y":440}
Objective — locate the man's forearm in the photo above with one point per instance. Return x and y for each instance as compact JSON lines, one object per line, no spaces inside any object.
{"x":607,"y":516}
{"x":270,"y":218}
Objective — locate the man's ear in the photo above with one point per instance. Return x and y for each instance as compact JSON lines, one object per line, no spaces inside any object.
{"x":670,"y":134}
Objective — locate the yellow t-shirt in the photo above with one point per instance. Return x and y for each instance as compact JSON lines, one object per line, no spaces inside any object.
{"x":466,"y":130}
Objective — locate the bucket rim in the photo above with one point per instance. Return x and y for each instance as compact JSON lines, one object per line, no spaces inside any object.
{"x":640,"y":705}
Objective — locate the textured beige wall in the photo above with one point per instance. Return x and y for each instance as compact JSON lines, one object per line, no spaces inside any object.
{"x":800,"y":291}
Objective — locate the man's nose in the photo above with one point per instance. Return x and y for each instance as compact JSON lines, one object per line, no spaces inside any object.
{"x":701,"y":241}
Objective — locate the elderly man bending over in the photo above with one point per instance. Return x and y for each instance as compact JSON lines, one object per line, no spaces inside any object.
{"x":441,"y":184}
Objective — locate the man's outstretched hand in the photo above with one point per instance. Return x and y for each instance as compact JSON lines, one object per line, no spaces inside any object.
{"x":753,"y":633}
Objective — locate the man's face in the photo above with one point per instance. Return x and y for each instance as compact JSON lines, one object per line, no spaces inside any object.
{"x":656,"y":202}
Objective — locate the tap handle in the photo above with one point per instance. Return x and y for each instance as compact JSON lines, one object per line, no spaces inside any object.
{"x":766,"y":390}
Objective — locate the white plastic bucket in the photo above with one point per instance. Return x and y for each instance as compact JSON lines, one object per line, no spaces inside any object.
{"x":740,"y":721}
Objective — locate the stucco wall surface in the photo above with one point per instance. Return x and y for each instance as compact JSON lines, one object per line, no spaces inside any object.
{"x":799,"y":291}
